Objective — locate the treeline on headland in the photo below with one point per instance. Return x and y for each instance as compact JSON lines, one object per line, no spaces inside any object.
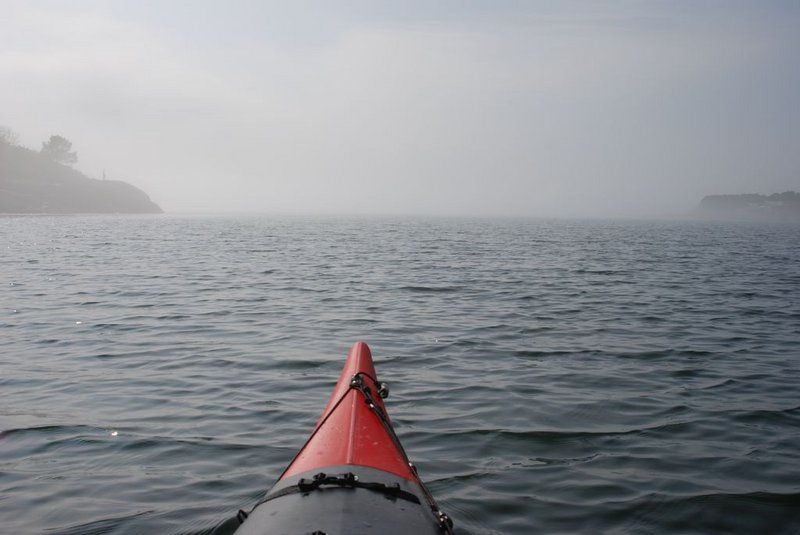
{"x":752,"y":207}
{"x":42,"y":182}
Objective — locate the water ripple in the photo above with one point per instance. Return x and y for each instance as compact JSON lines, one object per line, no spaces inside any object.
{"x":546,"y":376}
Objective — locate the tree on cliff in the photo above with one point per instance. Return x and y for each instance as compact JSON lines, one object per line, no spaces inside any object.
{"x":59,"y":149}
{"x":8,"y":136}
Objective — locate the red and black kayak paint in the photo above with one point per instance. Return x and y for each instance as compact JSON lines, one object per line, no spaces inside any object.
{"x":352,"y":476}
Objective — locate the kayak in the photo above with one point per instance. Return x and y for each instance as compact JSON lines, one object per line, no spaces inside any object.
{"x":352,"y":476}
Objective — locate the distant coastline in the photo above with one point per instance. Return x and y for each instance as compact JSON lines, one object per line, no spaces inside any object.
{"x":31,"y":183}
{"x":751,"y":207}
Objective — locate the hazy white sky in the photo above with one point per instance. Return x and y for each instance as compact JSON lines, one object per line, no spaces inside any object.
{"x":581,"y":108}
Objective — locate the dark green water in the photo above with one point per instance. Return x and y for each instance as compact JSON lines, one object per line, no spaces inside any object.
{"x":158,"y":373}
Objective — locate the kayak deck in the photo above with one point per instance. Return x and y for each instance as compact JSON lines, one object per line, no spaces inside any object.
{"x":349,"y":431}
{"x":340,"y":509}
{"x":352,"y":476}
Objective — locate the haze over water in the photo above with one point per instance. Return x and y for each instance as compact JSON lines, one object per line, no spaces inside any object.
{"x":547,"y":376}
{"x":536,"y":109}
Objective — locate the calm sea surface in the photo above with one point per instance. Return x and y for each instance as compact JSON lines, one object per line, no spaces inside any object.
{"x":158,"y":373}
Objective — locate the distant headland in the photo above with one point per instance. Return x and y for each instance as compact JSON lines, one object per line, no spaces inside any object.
{"x":751,"y":207}
{"x":43,"y":183}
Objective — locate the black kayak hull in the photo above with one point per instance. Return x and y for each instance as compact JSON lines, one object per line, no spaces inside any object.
{"x":340,"y":509}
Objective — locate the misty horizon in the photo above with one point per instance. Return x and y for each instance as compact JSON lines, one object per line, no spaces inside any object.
{"x":467,"y":109}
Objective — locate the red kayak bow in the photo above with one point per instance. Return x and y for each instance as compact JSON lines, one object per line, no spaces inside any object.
{"x":352,"y":475}
{"x":351,"y":431}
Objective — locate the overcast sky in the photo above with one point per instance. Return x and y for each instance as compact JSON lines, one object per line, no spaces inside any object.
{"x":586,"y":108}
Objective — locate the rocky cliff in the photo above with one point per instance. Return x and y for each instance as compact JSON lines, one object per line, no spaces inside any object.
{"x":30,"y":183}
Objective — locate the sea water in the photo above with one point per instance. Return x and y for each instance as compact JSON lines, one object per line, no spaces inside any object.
{"x":157,"y":373}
